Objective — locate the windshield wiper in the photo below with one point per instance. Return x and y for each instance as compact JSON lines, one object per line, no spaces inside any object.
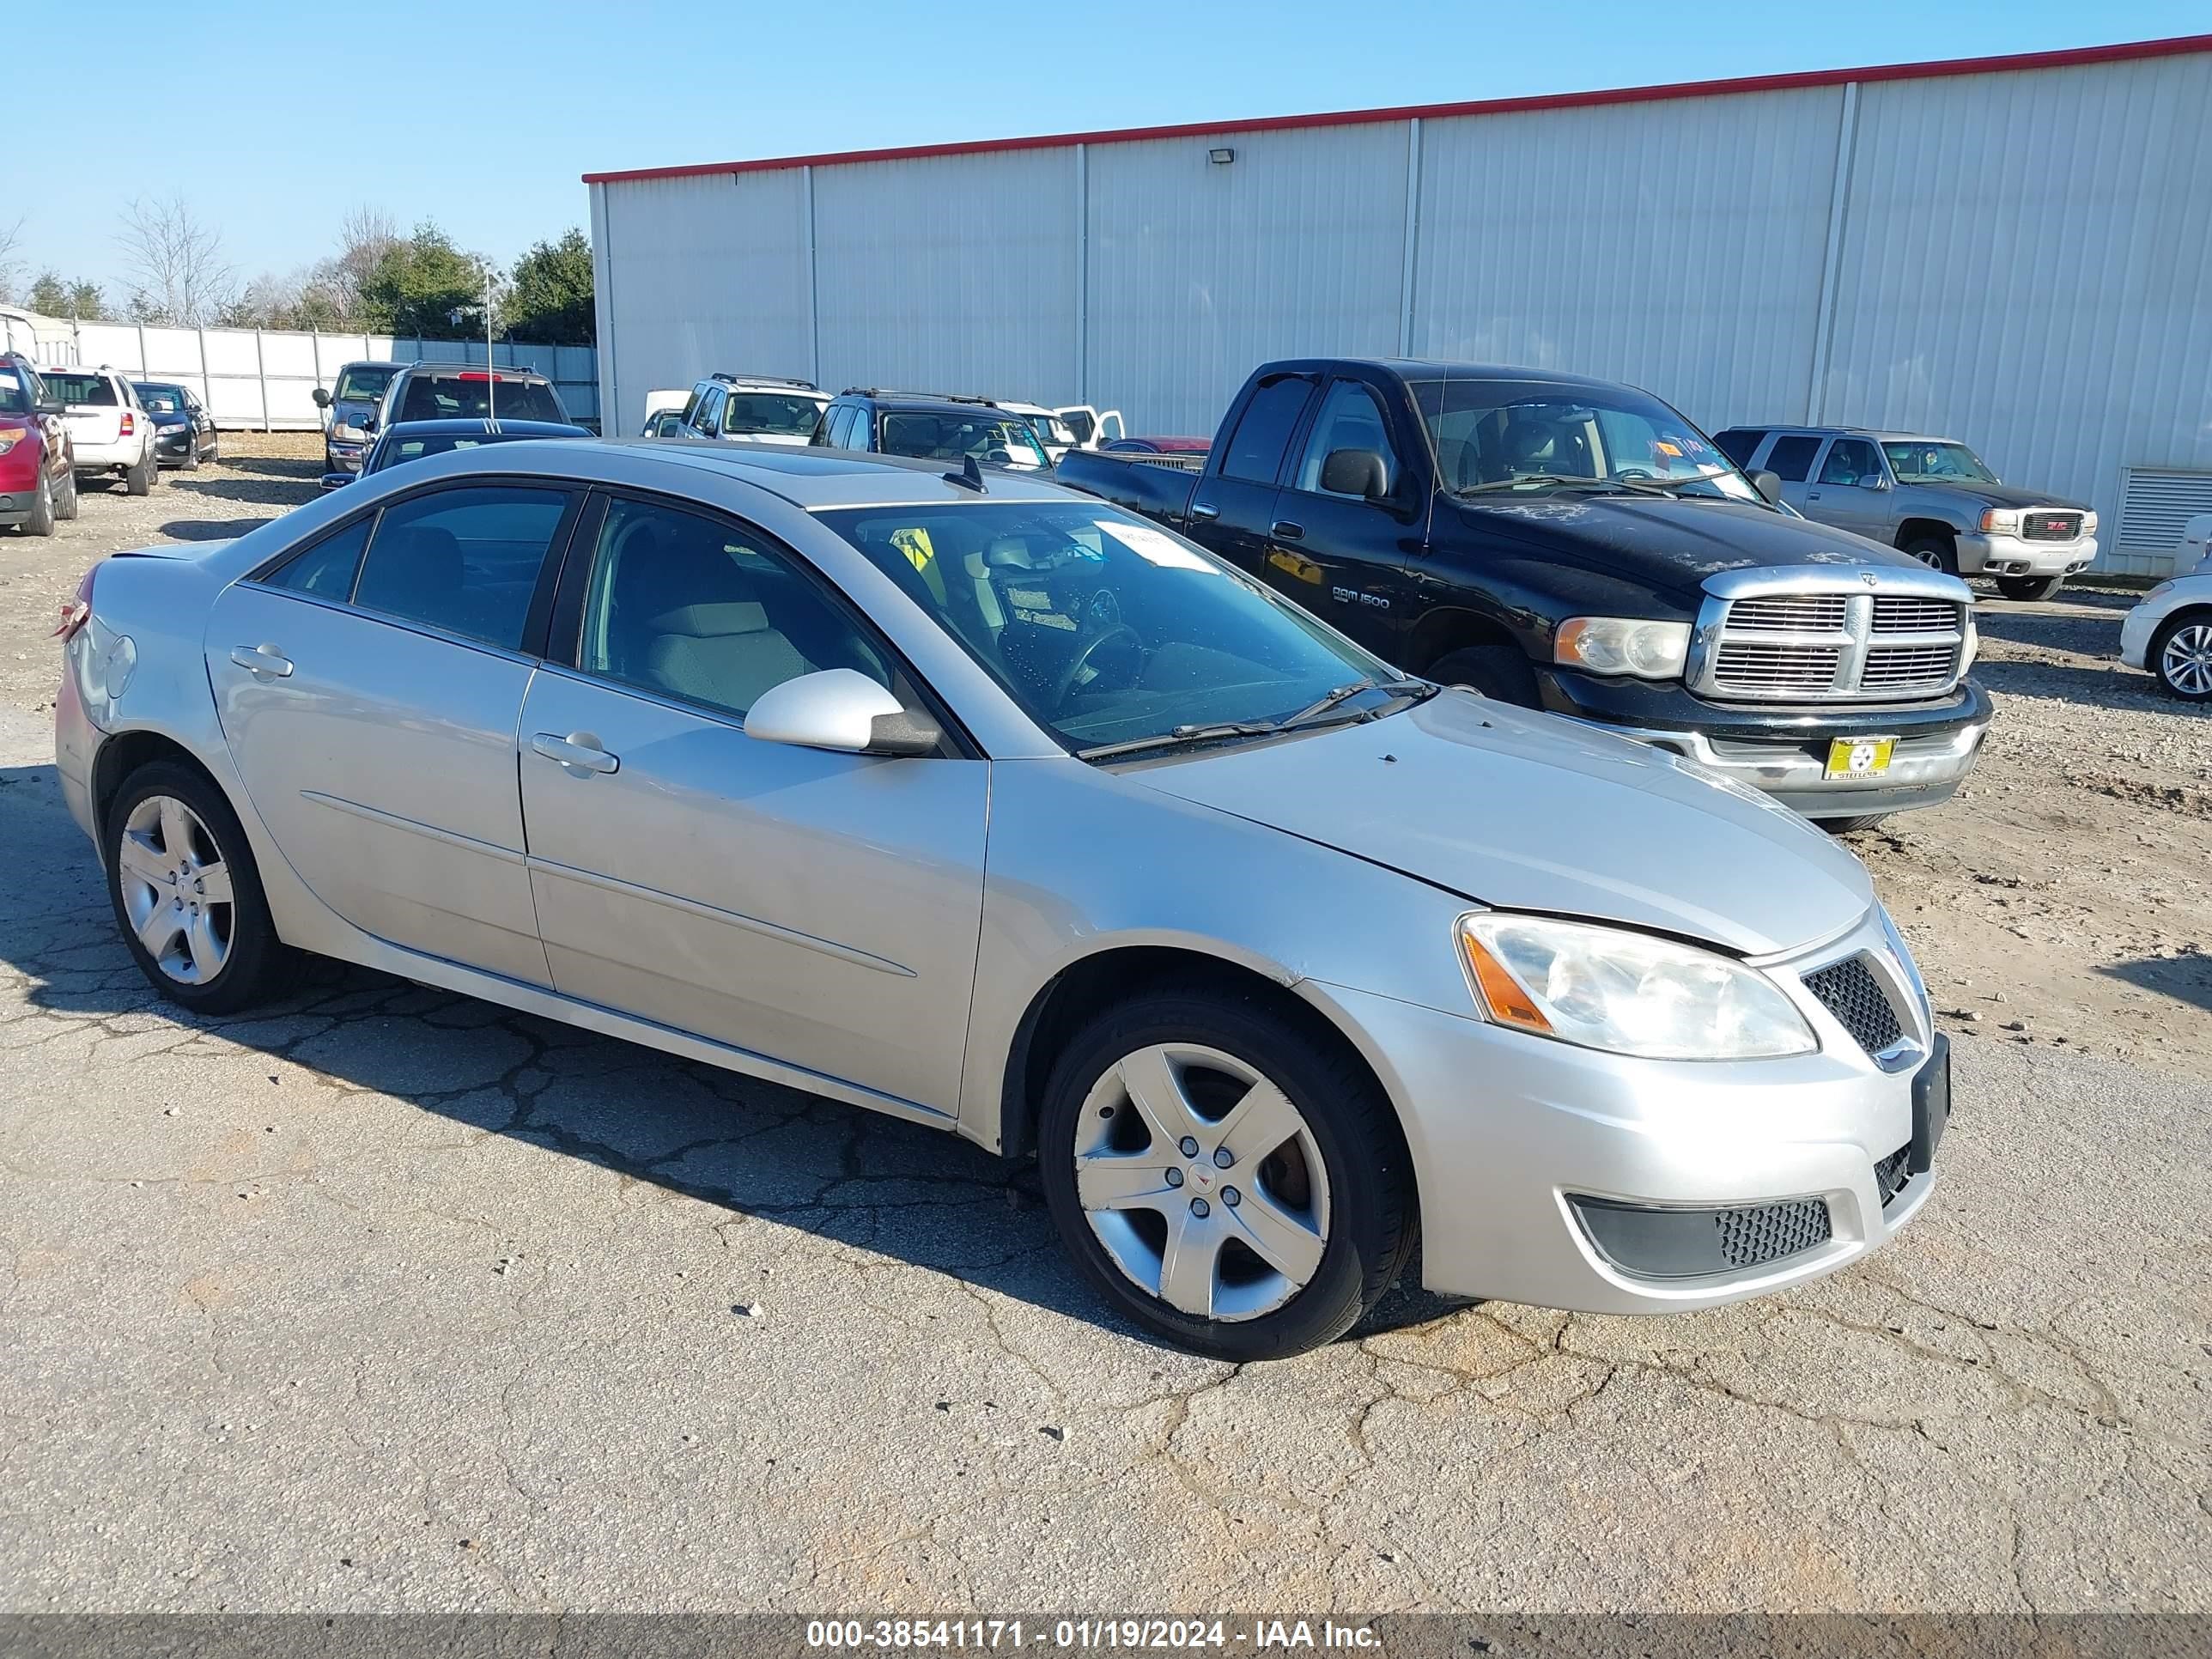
{"x":1313,"y":713}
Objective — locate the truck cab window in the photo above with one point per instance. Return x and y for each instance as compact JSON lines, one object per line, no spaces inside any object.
{"x":1350,"y":419}
{"x":1255,"y":449}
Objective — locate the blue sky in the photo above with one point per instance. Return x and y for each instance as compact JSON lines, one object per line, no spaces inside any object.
{"x":275,"y":119}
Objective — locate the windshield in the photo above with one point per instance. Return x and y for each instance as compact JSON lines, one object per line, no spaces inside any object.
{"x":1051,"y":429}
{"x":79,"y":390}
{"x":471,"y":396}
{"x":1077,"y":423}
{"x":993,"y":439}
{"x":362,"y":385}
{"x":1104,"y":627}
{"x":1522,"y":437}
{"x":1920,"y":462}
{"x":777,"y":413}
{"x":159,"y":399}
{"x":15,"y":395}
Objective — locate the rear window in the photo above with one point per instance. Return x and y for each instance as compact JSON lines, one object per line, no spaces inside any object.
{"x":95,"y":391}
{"x":1255,"y":451}
{"x":1739,"y":443}
{"x":454,"y":396}
{"x":363,"y":386}
{"x":1791,"y":457}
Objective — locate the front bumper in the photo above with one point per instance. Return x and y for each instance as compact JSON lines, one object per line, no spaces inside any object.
{"x":1782,"y":752}
{"x":343,"y":456}
{"x":2136,"y":629}
{"x":172,"y":442}
{"x":1517,"y":1142}
{"x":2013,"y":556}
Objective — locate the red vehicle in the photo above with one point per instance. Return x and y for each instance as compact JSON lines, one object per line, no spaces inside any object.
{"x":37,"y":467}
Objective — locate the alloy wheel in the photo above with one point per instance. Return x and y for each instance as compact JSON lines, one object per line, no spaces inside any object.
{"x":1202,"y":1181}
{"x":176,"y":890}
{"x":2186,"y":663}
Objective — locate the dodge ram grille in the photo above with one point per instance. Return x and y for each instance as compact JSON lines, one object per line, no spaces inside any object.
{"x":1861,"y":645}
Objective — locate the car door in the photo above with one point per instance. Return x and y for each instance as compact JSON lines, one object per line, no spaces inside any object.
{"x":1232,"y":510}
{"x":820,"y":909}
{"x":1850,"y":489}
{"x":369,"y":687}
{"x":1339,"y":553}
{"x":706,"y":420}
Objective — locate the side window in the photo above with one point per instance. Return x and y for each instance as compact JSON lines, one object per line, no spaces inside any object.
{"x":1350,"y":419}
{"x":692,"y":608}
{"x":706,"y":419}
{"x":861,"y":433}
{"x":463,"y":560}
{"x":1850,"y":460}
{"x":1739,"y":443}
{"x":326,"y":569}
{"x":1791,"y":456}
{"x":1255,"y":448}
{"x":841,"y":422}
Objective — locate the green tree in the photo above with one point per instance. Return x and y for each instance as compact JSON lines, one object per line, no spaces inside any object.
{"x":550,"y":296}
{"x":55,"y":297}
{"x":417,"y":285}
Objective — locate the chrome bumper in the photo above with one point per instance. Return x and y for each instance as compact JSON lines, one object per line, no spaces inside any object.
{"x":2013,"y":556}
{"x":1922,"y":771}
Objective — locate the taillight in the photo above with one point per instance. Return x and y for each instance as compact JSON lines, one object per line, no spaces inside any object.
{"x":130,"y":423}
{"x":78,"y":611}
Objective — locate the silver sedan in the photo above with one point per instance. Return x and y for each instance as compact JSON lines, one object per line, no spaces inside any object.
{"x":963,"y":797}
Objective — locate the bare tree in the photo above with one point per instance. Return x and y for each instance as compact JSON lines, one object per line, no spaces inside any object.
{"x":365,"y":236}
{"x":178,"y":273}
{"x":11,"y":263}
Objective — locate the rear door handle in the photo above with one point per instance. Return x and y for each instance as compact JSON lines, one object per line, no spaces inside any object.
{"x":1204,"y":510}
{"x":579,"y":752}
{"x":1284,"y":531}
{"x":264,"y":661}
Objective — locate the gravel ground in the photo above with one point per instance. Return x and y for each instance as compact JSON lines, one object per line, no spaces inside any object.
{"x":389,"y":1299}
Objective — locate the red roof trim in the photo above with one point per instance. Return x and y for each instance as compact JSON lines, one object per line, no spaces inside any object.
{"x":2125,"y":51}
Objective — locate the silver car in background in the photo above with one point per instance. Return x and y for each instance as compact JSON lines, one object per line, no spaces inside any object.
{"x":985,"y":805}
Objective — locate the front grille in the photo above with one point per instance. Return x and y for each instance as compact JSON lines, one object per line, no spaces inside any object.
{"x":1752,"y":1237}
{"x":1852,"y":645}
{"x":1765,"y":669}
{"x":1790,"y":613}
{"x":1890,"y":1175}
{"x":2051,"y":526}
{"x":1908,"y":667}
{"x":1904,"y":615}
{"x":1849,"y":990}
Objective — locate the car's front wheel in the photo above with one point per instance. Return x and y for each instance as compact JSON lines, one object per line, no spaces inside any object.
{"x":2030,"y":587}
{"x":1936,"y":552}
{"x":2181,"y":657}
{"x":1499,"y":671}
{"x":187,"y":892}
{"x":1229,"y":1182}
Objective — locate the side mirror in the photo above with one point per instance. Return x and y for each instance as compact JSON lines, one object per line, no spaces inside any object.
{"x":337,"y":480}
{"x":322,"y":397}
{"x":49,"y":406}
{"x":1874,"y":480}
{"x":840,"y":709}
{"x":1769,"y":486}
{"x":1355,"y":472}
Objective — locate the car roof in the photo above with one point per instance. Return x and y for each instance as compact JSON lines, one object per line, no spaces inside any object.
{"x":1420,"y":370}
{"x":463,"y":426}
{"x":1787,"y":428}
{"x":937,"y":402}
{"x":815,"y":477}
{"x":503,"y":370}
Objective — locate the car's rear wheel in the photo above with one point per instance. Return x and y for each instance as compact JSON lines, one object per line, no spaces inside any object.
{"x":2030,"y":587}
{"x":41,"y":521}
{"x":2181,"y":657}
{"x":140,"y":479}
{"x":1936,"y":552}
{"x":1499,"y":671}
{"x":188,"y":894}
{"x":1226,"y":1181}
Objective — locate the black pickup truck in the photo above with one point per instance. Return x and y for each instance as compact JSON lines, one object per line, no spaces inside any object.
{"x":1575,"y":545}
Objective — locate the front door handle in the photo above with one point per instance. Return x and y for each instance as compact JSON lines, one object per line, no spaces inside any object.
{"x":1284,"y":531}
{"x":579,"y":753}
{"x":264,"y":661}
{"x":1204,"y":510}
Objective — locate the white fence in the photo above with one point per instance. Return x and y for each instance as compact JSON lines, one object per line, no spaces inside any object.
{"x":265,"y":379}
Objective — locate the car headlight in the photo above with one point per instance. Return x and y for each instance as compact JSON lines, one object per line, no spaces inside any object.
{"x":1626,"y":992}
{"x":9,"y":439}
{"x":2088,"y":524}
{"x":2155,"y":592}
{"x":1623,"y":645}
{"x":1971,"y":647}
{"x":2001,"y":521}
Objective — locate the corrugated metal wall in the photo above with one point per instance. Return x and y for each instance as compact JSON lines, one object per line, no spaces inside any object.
{"x":2017,"y":259}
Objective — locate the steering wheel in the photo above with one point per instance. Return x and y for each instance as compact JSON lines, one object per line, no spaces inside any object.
{"x":1636,"y":472}
{"x":1073,"y":671}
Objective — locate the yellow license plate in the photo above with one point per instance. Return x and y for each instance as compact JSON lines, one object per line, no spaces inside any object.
{"x":1859,"y":757}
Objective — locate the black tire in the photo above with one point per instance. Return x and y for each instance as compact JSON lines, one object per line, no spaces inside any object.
{"x":192,"y":461}
{"x":1372,"y":1216}
{"x":139,"y":480}
{"x":41,"y":521}
{"x":1851,"y":826}
{"x":1936,"y":552}
{"x":67,"y":503}
{"x":215,"y":448}
{"x":2155,"y":660}
{"x":259,"y":962}
{"x":1499,"y":671}
{"x":2030,"y":587}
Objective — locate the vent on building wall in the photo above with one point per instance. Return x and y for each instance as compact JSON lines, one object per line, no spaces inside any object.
{"x":2156,"y":503}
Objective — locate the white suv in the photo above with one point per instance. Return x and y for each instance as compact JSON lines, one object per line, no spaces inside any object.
{"x":112,"y":433}
{"x":760,"y":408}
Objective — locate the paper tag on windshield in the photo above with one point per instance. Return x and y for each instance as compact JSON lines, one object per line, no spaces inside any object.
{"x":1155,"y":545}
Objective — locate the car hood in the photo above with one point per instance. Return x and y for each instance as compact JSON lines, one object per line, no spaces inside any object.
{"x":1528,"y":812}
{"x":171,"y":418}
{"x":350,"y":413}
{"x":1668,"y":543}
{"x":1997,"y":495}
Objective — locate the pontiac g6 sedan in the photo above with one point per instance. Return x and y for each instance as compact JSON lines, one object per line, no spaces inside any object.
{"x":959,"y":797}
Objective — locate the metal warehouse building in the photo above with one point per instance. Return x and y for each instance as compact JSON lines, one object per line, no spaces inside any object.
{"x":2015,"y":251}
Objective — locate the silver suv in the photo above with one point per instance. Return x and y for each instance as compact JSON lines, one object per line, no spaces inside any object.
{"x":1932,"y":497}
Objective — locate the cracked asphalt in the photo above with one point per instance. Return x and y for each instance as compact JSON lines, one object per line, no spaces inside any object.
{"x":387,"y":1299}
